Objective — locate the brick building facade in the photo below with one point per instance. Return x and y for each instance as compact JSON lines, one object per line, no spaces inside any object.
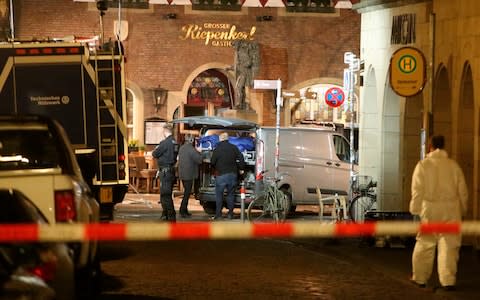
{"x":301,"y":49}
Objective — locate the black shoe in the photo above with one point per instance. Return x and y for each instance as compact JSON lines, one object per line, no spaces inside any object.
{"x":186,"y":215}
{"x":215,"y":218}
{"x":163,"y":218}
{"x":230,"y":216}
{"x":447,"y":288}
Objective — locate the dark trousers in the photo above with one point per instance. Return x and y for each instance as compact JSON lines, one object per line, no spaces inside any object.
{"x":229,"y":182}
{"x":167,"y":179}
{"x":187,"y":189}
{"x":196,"y":187}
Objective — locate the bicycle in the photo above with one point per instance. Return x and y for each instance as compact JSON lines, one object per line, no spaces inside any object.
{"x":364,"y":198}
{"x":272,"y":203}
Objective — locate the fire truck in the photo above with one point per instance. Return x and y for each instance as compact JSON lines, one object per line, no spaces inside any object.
{"x":83,"y":89}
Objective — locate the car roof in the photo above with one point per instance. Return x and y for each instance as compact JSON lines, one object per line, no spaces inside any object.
{"x":217,"y":122}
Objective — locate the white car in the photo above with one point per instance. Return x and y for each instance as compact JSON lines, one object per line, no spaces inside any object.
{"x":37,"y":159}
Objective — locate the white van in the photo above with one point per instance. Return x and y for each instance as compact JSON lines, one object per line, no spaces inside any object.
{"x":308,"y":158}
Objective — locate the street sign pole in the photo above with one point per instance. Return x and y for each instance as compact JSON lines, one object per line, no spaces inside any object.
{"x":278,"y":103}
{"x":352,"y":122}
{"x":353,"y":66}
{"x":273,"y":85}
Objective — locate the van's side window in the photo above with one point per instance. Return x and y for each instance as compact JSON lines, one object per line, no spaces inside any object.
{"x":342,"y":148}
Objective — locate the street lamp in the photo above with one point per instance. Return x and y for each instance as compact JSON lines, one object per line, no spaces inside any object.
{"x":160,"y":95}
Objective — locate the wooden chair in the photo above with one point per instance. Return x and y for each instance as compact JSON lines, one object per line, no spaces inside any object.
{"x":337,"y":205}
{"x":132,"y":171}
{"x":143,"y":173}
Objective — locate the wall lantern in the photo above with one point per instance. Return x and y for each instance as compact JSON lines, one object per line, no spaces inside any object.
{"x":160,"y":96}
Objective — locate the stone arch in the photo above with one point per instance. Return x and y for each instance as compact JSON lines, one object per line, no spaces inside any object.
{"x":319,"y":80}
{"x":442,"y":107}
{"x":369,"y":140}
{"x":465,"y":131}
{"x":391,"y":155}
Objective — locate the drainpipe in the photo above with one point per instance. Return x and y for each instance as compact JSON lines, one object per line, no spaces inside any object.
{"x":428,"y":113}
{"x":12,"y":25}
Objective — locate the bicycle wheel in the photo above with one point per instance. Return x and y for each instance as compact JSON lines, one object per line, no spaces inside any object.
{"x":359,"y":206}
{"x":281,"y":205}
{"x":260,"y":210}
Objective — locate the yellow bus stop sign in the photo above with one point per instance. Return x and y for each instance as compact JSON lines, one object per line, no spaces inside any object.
{"x":407,"y":71}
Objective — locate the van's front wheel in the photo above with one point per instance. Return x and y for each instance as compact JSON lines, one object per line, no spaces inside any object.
{"x":290,"y":207}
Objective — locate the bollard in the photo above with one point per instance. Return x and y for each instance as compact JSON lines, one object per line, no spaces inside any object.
{"x":242,"y":203}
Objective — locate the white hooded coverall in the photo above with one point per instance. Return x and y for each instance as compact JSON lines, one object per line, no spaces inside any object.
{"x":439,"y":194}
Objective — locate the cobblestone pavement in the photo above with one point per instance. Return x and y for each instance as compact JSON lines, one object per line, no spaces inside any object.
{"x":395,"y":263}
{"x":302,"y":269}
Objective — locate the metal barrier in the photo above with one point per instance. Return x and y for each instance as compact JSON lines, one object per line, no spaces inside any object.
{"x":223,"y":230}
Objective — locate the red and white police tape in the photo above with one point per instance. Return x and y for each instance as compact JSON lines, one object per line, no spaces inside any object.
{"x":222,"y":230}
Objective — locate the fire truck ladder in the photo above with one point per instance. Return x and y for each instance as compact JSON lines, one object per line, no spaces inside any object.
{"x":107,"y":122}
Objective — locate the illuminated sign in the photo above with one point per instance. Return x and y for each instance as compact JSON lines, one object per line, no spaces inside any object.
{"x":407,"y":71}
{"x":216,"y":34}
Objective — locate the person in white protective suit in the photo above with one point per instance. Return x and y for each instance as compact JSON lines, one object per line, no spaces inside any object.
{"x":439,"y":194}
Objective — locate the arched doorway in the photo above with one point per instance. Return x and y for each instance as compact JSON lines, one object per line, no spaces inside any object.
{"x":305,"y":105}
{"x":465,"y":132}
{"x":210,"y":86}
{"x":309,"y":104}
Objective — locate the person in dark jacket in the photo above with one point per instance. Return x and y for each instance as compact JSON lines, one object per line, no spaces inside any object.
{"x":228,"y":162}
{"x":188,"y":160}
{"x":166,"y":155}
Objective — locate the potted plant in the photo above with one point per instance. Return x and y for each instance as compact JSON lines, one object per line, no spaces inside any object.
{"x":141,"y":149}
{"x":132,"y":146}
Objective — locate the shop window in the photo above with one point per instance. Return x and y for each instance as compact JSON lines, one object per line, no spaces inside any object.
{"x":309,"y":6}
{"x":222,"y":5}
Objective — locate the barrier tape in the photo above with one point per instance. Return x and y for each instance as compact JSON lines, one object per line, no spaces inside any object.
{"x":223,"y":230}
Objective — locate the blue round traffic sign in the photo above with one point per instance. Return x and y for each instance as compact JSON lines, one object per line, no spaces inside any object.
{"x":334,"y":97}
